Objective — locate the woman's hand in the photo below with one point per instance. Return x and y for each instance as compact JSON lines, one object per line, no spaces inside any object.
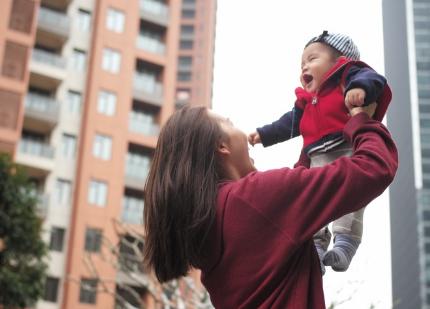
{"x":369,"y":109}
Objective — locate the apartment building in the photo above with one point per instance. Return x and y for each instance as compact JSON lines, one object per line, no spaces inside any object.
{"x":85,"y":86}
{"x":407,"y":63}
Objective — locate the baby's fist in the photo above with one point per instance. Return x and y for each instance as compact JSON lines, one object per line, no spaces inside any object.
{"x":355,"y":97}
{"x":254,"y":138}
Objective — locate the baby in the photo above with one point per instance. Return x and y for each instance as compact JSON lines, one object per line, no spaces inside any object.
{"x":331,"y":76}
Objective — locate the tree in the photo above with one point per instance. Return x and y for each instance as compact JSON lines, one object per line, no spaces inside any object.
{"x":138,"y":288}
{"x":22,"y":251}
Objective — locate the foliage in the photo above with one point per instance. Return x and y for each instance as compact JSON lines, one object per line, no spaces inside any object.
{"x":22,"y":251}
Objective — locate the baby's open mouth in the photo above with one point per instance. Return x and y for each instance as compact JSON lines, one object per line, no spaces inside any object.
{"x":307,"y":78}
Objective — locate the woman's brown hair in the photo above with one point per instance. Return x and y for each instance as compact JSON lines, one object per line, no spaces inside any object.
{"x":180,"y":192}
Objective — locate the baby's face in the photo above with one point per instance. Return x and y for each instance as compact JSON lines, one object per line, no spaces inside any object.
{"x":317,"y":60}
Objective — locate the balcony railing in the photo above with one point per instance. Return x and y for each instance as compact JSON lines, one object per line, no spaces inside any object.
{"x":42,"y":204}
{"x":48,"y":58}
{"x":36,"y":148}
{"x":132,"y":210}
{"x":151,"y":44}
{"x":53,"y":21}
{"x":41,"y":103}
{"x":137,"y":171}
{"x":143,"y":127}
{"x":155,"y":11}
{"x":147,"y":89}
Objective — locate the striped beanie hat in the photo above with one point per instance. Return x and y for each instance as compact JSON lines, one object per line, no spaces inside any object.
{"x":340,"y":42}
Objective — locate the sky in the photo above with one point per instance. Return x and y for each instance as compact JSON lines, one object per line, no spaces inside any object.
{"x":257,"y":65}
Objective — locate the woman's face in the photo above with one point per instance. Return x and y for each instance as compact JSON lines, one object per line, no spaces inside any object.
{"x":237,"y":144}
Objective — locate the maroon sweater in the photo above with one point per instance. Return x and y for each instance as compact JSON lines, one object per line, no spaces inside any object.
{"x":260,"y":252}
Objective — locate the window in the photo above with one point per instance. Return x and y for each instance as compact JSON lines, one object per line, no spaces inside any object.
{"x":74,"y":102}
{"x":185,"y":61}
{"x":63,"y":190}
{"x":106,"y":103}
{"x":184,"y":76}
{"x":93,"y":239}
{"x":97,"y":194}
{"x":111,"y":60}
{"x":78,"y":62}
{"x":132,"y":209}
{"x":183,"y":95}
{"x":68,"y":146}
{"x":188,"y":13}
{"x":88,"y":291}
{"x":10,"y":106}
{"x":51,"y":289}
{"x":115,"y":20}
{"x":84,"y":20}
{"x":102,"y":147}
{"x":57,"y":239}
{"x":186,"y":44}
{"x":14,"y":60}
{"x":22,"y":14}
{"x":187,"y":29}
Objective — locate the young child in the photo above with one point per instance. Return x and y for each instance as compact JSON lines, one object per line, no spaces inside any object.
{"x":331,"y":76}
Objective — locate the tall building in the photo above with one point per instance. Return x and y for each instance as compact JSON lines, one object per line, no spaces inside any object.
{"x":85,"y":86}
{"x":407,"y":64}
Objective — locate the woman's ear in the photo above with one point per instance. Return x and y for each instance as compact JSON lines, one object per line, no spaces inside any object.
{"x":223,"y":149}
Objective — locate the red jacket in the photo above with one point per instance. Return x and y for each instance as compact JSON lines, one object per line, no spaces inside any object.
{"x":260,"y":252}
{"x":322,"y":116}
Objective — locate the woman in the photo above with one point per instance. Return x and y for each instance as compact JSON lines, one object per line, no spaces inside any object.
{"x":251,"y":232}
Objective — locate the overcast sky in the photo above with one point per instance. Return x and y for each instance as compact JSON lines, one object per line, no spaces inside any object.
{"x":257,"y":67}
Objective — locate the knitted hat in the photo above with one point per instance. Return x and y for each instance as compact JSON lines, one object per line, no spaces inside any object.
{"x":340,"y":42}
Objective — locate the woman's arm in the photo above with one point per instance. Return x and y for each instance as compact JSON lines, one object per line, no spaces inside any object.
{"x":300,"y":201}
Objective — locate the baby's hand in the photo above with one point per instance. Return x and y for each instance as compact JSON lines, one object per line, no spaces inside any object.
{"x":355,"y":97}
{"x":254,"y":138}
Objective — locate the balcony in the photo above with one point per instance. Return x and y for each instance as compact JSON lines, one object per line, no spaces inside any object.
{"x":150,"y":44}
{"x":154,"y":11}
{"x":143,"y":127}
{"x":48,"y":58}
{"x":188,"y":5}
{"x":48,"y":68}
{"x":36,"y":156}
{"x":42,"y":205}
{"x":187,"y":36}
{"x":41,"y":112}
{"x":135,"y":175}
{"x":53,"y":26}
{"x":146,"y":89}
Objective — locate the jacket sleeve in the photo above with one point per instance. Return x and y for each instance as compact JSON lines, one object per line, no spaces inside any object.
{"x":368,"y":80}
{"x":282,"y":129}
{"x":300,"y":201}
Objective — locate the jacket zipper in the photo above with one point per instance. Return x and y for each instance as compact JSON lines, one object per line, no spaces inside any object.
{"x":315,"y":98}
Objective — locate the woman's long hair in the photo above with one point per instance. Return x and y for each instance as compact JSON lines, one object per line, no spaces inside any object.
{"x":181,"y":192}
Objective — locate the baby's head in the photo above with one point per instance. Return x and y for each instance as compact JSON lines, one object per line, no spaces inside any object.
{"x":320,"y":54}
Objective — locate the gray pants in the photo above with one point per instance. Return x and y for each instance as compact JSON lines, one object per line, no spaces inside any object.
{"x":350,"y":224}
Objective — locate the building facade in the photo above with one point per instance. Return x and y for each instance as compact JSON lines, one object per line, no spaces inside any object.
{"x":85,"y":86}
{"x":407,"y":63}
